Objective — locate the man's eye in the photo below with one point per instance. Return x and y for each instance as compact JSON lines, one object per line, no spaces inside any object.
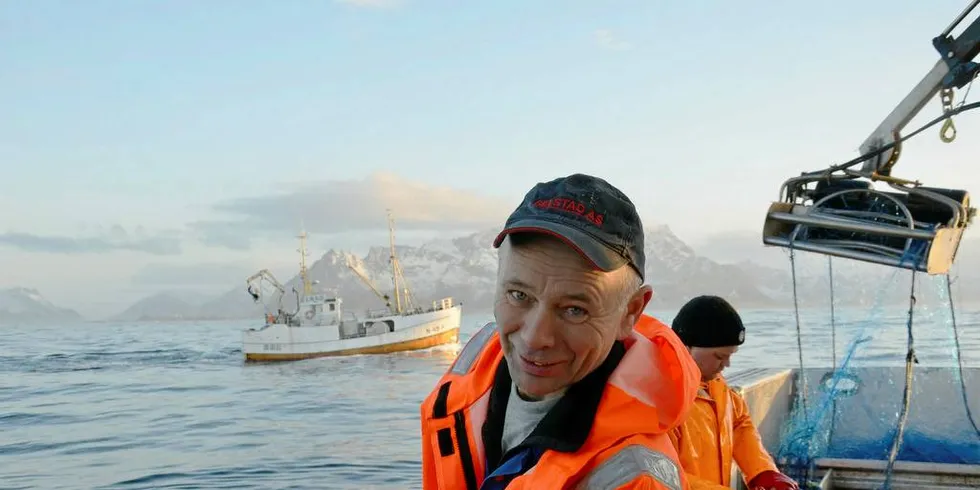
{"x":574,"y":312}
{"x":517,"y":295}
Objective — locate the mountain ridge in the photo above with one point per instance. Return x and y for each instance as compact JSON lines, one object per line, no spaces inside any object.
{"x":27,"y":306}
{"x":464,"y":267}
{"x":735,"y":266}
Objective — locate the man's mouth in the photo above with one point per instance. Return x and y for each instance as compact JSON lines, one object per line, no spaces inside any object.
{"x":539,"y":367}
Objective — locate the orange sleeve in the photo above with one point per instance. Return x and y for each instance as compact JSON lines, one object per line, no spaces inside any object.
{"x":676,"y":438}
{"x":750,"y":455}
{"x":696,"y":483}
{"x":692,"y":480}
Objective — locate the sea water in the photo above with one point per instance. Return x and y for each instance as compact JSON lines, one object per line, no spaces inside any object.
{"x":172,"y":405}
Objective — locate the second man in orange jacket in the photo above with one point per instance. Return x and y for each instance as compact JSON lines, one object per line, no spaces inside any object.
{"x":719,"y":429}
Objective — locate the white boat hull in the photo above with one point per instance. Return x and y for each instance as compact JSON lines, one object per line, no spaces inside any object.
{"x":281,"y":342}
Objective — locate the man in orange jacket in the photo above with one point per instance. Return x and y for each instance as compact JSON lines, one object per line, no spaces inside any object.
{"x":719,"y":427}
{"x":572,"y":386}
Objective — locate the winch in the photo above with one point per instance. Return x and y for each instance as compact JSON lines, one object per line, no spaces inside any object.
{"x":838,"y":212}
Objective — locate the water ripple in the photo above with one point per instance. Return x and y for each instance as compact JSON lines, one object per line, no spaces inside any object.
{"x":172,"y":406}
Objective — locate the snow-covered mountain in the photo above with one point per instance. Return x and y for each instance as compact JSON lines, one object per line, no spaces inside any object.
{"x":463,"y":267}
{"x":25,"y":306}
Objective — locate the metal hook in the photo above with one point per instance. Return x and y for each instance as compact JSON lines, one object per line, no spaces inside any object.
{"x":948,"y":131}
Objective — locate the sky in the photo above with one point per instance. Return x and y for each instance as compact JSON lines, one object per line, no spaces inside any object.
{"x":166,"y":145}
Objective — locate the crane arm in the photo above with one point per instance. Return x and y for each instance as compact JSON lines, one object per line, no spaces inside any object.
{"x":263,"y":274}
{"x":954,"y":69}
{"x":370,"y":284}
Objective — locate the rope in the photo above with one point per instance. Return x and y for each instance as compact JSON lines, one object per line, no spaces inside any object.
{"x":833,"y":348}
{"x":799,"y":348}
{"x":833,"y":323}
{"x":799,"y":334}
{"x":959,"y":358}
{"x":878,"y":151}
{"x":907,"y":395}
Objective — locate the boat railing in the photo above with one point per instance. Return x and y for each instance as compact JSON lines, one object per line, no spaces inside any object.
{"x":445,"y":304}
{"x":378,"y":313}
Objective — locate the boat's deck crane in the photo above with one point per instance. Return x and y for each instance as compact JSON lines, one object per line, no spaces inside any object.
{"x":917,"y":228}
{"x":254,"y":285}
{"x":367,"y":281}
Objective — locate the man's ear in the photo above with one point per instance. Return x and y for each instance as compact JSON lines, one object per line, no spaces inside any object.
{"x":634,"y":309}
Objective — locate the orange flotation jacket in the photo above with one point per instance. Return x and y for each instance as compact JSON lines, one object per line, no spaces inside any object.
{"x":608,"y":431}
{"x":718,"y":430}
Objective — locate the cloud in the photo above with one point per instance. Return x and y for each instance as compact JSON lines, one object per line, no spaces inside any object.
{"x":376,"y":4}
{"x":189,"y":275}
{"x":114,"y":239}
{"x":605,"y":39}
{"x":346,"y":206}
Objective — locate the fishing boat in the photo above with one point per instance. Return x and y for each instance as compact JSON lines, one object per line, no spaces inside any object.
{"x":320,"y":327}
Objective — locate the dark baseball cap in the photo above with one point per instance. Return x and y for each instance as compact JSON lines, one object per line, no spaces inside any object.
{"x":587,"y":213}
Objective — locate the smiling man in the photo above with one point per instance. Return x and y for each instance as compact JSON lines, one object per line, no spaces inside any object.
{"x":719,"y":427}
{"x":572,"y":386}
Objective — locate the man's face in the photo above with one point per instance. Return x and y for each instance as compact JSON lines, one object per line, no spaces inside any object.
{"x":712,"y":360}
{"x":557,"y":316}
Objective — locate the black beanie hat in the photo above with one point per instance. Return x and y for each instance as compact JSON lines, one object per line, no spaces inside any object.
{"x":709,"y":321}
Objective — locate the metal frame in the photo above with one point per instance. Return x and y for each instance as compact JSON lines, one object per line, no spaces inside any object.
{"x":786,"y":222}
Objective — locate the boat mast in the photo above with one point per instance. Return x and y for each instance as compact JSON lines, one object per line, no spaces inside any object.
{"x":394,"y":262}
{"x":307,"y":286}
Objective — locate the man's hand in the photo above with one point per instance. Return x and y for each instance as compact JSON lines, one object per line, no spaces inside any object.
{"x":773,"y":480}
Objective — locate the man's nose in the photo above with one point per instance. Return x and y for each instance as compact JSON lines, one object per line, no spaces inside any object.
{"x":538,"y":331}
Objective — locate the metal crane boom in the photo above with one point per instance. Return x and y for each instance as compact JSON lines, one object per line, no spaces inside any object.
{"x":954,"y":69}
{"x":370,"y":284}
{"x":266,"y":275}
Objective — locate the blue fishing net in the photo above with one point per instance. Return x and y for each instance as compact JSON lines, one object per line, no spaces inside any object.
{"x":854,"y":409}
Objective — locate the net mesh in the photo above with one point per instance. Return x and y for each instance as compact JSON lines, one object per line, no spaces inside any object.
{"x":853,"y":410}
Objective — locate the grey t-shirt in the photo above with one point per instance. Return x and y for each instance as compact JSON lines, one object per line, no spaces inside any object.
{"x":522,"y":417}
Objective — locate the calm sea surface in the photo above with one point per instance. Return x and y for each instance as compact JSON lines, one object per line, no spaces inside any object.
{"x":156,"y":405}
